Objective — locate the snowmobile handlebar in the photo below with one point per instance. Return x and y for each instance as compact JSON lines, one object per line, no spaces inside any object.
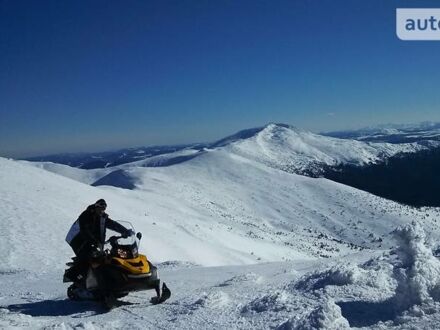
{"x":112,"y":240}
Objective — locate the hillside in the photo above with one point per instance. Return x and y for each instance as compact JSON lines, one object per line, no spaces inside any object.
{"x":221,"y":209}
{"x":278,"y":145}
{"x":298,"y":151}
{"x":290,"y":251}
{"x":235,"y":210}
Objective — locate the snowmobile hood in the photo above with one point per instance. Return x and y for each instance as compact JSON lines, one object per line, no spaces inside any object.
{"x":135,"y":266}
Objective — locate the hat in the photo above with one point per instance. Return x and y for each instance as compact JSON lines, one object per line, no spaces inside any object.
{"x":101,"y":203}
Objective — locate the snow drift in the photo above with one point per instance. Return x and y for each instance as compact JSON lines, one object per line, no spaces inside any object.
{"x":394,"y":288}
{"x":419,"y":273}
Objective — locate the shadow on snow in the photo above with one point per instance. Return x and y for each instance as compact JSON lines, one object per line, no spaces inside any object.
{"x":58,"y":307}
{"x":364,"y":313}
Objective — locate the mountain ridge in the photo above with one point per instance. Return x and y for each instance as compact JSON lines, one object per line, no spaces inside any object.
{"x":392,"y":133}
{"x":305,"y":147}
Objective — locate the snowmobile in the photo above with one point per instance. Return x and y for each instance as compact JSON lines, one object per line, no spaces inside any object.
{"x":115,"y":269}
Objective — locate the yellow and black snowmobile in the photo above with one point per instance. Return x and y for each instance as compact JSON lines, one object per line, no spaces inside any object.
{"x":115,"y":270}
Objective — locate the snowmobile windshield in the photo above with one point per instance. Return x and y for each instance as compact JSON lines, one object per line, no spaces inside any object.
{"x":123,"y":247}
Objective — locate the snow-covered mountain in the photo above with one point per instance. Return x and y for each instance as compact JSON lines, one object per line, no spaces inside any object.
{"x":293,"y":150}
{"x":277,"y":145}
{"x":290,"y":251}
{"x":298,"y":151}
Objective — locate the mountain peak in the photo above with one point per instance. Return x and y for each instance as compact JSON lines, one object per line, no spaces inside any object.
{"x":299,"y":151}
{"x":280,"y":127}
{"x":241,"y":135}
{"x":251,"y":132}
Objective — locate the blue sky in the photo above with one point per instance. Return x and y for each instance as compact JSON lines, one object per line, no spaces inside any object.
{"x":99,"y":75}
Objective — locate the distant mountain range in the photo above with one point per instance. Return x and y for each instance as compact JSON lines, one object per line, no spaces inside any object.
{"x":305,"y":151}
{"x":391,"y":133}
{"x":372,"y":159}
{"x":108,"y":158}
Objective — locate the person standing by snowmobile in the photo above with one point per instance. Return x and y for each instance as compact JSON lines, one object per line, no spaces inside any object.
{"x":87,"y":234}
{"x":108,"y":275}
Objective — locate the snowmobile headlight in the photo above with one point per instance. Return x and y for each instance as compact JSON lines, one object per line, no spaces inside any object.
{"x":122,"y":254}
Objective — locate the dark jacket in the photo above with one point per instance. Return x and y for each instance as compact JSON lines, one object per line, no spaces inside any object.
{"x":92,"y":230}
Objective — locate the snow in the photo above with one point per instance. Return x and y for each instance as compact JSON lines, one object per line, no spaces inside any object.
{"x":241,"y":242}
{"x":326,"y":316}
{"x":276,"y":145}
{"x":77,"y":174}
{"x":419,"y":283}
{"x":295,"y":150}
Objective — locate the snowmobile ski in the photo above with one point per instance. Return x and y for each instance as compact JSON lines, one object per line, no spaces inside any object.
{"x":166,"y":294}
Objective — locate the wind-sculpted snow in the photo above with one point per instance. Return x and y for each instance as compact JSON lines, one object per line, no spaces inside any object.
{"x":388,"y":290}
{"x":419,"y":275}
{"x":274,"y":302}
{"x":337,"y":275}
{"x":326,"y":317}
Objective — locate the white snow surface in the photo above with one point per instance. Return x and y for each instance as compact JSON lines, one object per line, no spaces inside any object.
{"x":241,"y":244}
{"x":77,"y":174}
{"x":296,"y":150}
{"x":279,"y":146}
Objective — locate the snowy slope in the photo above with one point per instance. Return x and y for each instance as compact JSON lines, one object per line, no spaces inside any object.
{"x":98,"y":176}
{"x":38,"y":208}
{"x":230,"y":205}
{"x":231,"y":202}
{"x":278,"y":145}
{"x":78,"y":174}
{"x":271,"y":205}
{"x":216,"y":209}
{"x":360,"y":291}
{"x":299,"y":151}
